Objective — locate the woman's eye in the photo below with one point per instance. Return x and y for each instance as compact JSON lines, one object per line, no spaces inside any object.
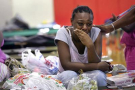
{"x":89,"y":24}
{"x":80,"y":24}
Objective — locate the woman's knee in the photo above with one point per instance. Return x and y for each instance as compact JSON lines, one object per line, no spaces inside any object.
{"x":101,"y":78}
{"x":66,"y":76}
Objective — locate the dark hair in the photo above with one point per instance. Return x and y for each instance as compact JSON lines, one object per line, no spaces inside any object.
{"x":82,"y":9}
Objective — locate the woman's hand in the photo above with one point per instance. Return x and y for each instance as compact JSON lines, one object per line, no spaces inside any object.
{"x":104,"y":66}
{"x":114,"y":18}
{"x":84,"y":37}
{"x":107,"y":28}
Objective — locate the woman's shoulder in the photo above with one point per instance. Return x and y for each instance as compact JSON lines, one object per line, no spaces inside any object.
{"x":62,"y":32}
{"x":62,"y":35}
{"x":62,"y":29}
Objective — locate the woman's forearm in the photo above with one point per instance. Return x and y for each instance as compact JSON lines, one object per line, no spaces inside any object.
{"x":76,"y":66}
{"x":94,"y":50}
{"x":125,"y":20}
{"x":92,"y":55}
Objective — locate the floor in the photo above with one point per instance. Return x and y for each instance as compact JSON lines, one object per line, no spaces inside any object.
{"x":111,"y":47}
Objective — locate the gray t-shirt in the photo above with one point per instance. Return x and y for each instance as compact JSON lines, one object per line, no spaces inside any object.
{"x":65,"y":36}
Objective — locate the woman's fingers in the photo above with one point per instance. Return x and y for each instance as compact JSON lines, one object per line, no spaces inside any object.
{"x":78,"y":32}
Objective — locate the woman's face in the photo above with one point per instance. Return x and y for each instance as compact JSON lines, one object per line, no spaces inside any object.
{"x":82,"y":21}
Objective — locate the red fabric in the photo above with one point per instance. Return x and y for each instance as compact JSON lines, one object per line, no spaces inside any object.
{"x":102,"y":9}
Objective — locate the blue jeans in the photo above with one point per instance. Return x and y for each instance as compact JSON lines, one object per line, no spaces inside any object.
{"x":66,"y":76}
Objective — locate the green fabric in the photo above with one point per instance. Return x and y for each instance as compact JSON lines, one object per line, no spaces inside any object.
{"x":30,"y":32}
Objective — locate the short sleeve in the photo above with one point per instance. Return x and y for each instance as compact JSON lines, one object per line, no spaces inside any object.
{"x":61,"y":35}
{"x":94,"y":33}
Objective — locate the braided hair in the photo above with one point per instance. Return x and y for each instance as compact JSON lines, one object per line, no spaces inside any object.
{"x":82,"y":9}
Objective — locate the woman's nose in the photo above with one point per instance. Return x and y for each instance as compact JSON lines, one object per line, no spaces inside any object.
{"x":84,"y":27}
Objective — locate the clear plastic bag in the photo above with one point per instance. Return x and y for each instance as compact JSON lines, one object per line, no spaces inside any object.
{"x":118,"y":68}
{"x":38,"y":63}
{"x":83,"y":82}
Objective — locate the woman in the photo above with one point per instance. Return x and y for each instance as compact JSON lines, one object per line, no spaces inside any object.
{"x":80,"y":47}
{"x":128,"y":38}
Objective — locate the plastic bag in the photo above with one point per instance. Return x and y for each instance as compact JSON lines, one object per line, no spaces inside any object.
{"x":14,"y":66}
{"x":38,"y":63}
{"x":118,"y":68}
{"x":33,"y":81}
{"x":83,"y":82}
{"x":53,"y":63}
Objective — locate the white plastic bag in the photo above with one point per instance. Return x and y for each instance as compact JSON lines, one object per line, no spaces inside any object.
{"x":33,"y":81}
{"x":53,"y":64}
{"x":83,"y":82}
{"x":38,"y":63}
{"x":118,"y":68}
